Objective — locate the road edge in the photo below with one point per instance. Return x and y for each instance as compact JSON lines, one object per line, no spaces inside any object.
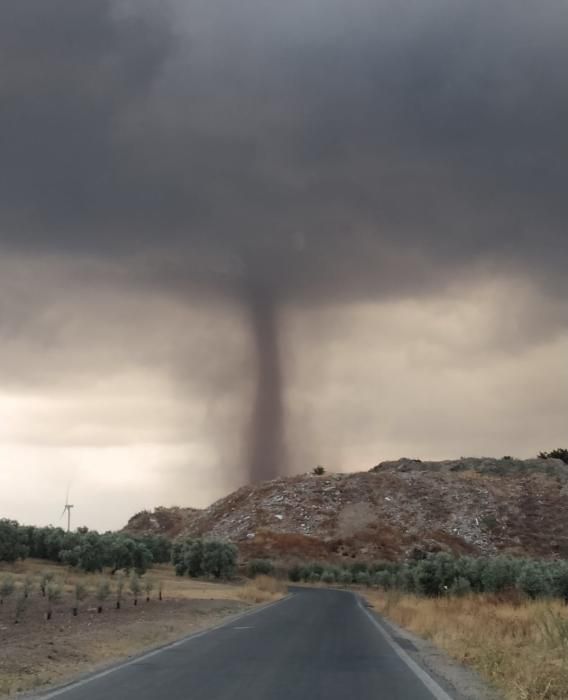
{"x":437,"y":691}
{"x":84,"y":679}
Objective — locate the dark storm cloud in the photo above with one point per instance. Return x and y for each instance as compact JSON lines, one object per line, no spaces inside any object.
{"x":319,"y":152}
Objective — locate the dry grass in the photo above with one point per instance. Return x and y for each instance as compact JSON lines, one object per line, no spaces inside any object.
{"x":262,"y":589}
{"x":521,"y":647}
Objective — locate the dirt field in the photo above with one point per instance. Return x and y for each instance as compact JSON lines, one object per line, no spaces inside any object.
{"x":36,"y":652}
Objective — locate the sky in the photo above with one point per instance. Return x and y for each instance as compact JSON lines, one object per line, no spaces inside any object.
{"x":241,"y":239}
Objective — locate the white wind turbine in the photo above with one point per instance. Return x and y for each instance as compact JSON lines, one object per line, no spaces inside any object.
{"x":67,"y":509}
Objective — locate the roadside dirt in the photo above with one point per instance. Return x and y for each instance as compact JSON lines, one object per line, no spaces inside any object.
{"x":36,"y":652}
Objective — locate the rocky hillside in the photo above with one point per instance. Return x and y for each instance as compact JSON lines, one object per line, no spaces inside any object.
{"x":397,"y":509}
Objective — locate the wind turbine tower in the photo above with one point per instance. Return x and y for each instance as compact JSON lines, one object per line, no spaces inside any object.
{"x":67,"y":509}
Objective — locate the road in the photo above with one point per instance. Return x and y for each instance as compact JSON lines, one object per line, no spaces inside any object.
{"x":315,"y":645}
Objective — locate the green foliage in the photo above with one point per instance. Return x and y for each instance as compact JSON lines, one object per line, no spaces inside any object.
{"x":21,"y":605}
{"x":499,"y":574}
{"x":219,"y":559}
{"x":295,"y":573}
{"x":211,"y":558}
{"x":149,"y":585}
{"x":6,"y":588}
{"x":460,"y":586}
{"x":135,"y":585}
{"x":559,"y":581}
{"x":84,"y":549}
{"x":383,"y":579}
{"x":442,"y":574}
{"x":103,"y":590}
{"x":329,"y":576}
{"x":259,"y":567}
{"x":54,"y":591}
{"x":534,"y":581}
{"x":46,"y":577}
{"x":12,"y":541}
{"x":319,"y":470}
{"x":119,"y":589}
{"x":81,"y":592}
{"x":558,"y":453}
{"x":426,"y":578}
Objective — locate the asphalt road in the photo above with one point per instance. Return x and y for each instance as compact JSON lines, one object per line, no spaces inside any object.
{"x":315,"y":645}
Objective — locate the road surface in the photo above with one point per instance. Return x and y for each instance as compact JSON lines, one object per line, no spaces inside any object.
{"x":315,"y":645}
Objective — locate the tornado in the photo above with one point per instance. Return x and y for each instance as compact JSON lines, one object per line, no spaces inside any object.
{"x":266,"y":450}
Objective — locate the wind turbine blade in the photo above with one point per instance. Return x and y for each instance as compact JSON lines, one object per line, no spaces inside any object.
{"x":63,"y":512}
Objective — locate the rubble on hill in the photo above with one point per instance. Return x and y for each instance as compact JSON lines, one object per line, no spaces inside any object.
{"x":397,"y":509}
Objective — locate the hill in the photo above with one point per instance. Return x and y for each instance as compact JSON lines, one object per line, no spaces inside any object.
{"x":397,"y":509}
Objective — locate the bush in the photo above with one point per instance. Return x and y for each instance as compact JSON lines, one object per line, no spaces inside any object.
{"x":6,"y":588}
{"x":295,"y":573}
{"x":362,"y":578}
{"x":103,"y":592}
{"x":383,"y":579}
{"x":328,"y":576}
{"x":12,"y":541}
{"x":219,"y":559}
{"x":259,"y":566}
{"x":460,"y":587}
{"x":499,"y":574}
{"x":193,"y":558}
{"x":559,"y":581}
{"x":319,"y":470}
{"x":426,"y":578}
{"x":558,"y":453}
{"x":135,"y":587}
{"x":533,"y":581}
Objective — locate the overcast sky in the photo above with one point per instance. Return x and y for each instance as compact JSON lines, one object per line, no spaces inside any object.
{"x":241,"y":239}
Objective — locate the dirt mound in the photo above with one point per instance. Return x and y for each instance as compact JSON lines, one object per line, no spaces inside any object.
{"x":161,"y":521}
{"x":397,"y":509}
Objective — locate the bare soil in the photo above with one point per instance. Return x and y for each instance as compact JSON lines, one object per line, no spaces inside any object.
{"x":36,"y":652}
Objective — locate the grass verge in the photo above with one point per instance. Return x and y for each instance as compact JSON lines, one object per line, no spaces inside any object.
{"x":519,"y":646}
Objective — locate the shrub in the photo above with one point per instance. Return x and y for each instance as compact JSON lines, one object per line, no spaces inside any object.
{"x":6,"y":588}
{"x":559,"y":581}
{"x":383,"y":579}
{"x":149,"y":586}
{"x":135,"y":586}
{"x":426,"y":578}
{"x":558,"y":453}
{"x":21,"y":605}
{"x":45,"y":579}
{"x":328,"y":576}
{"x":80,"y":594}
{"x":319,"y":470}
{"x":295,"y":573}
{"x":362,"y":578}
{"x":103,"y":592}
{"x":53,"y":592}
{"x":345,"y":577}
{"x":219,"y":559}
{"x":460,"y":587}
{"x":12,"y":541}
{"x":314,"y":577}
{"x":533,"y":581}
{"x":498,"y":575}
{"x":259,"y":566}
{"x":119,"y":590}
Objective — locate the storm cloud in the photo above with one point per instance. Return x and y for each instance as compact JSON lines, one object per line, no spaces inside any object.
{"x":258,"y":159}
